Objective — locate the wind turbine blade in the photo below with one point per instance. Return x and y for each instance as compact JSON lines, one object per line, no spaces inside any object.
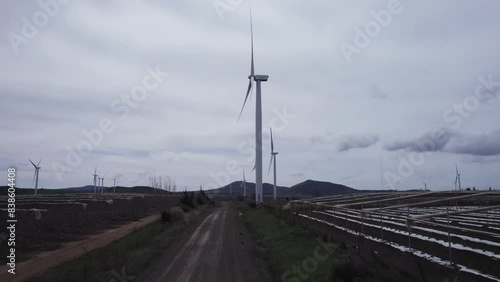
{"x":270,"y":163}
{"x":246,"y":97}
{"x":32,"y":163}
{"x":39,"y":163}
{"x":272,"y":143}
{"x":252,"y":68}
{"x":253,"y":168}
{"x":456,"y":167}
{"x":251,"y":92}
{"x":95,"y":170}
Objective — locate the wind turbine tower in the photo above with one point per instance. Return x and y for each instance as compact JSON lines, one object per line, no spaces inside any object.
{"x":102,"y":182}
{"x":35,"y":176}
{"x":273,"y":161}
{"x":258,"y":119}
{"x":244,"y":184}
{"x":95,"y":179}
{"x":458,"y":178}
{"x":114,"y":184}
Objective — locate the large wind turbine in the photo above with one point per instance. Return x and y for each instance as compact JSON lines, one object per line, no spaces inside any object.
{"x":95,"y":179}
{"x":258,"y":120}
{"x":457,"y":178}
{"x":35,"y":176}
{"x":273,"y":161}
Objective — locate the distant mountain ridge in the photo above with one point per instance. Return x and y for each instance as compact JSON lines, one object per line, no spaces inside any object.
{"x":311,"y":188}
{"x":306,"y":188}
{"x":321,"y":188}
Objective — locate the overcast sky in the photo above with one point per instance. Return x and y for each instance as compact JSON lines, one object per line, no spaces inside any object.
{"x":417,"y":91}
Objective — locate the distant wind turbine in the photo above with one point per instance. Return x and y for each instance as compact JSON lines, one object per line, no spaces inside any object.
{"x":244,"y":185}
{"x":114,"y":184}
{"x":273,"y":161}
{"x":95,"y":179}
{"x":258,"y":119}
{"x":102,"y":183}
{"x":118,"y":176}
{"x":425,"y":185}
{"x":35,"y":176}
{"x":457,"y":178}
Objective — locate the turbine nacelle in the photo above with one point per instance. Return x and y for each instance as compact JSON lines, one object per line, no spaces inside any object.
{"x":260,"y":77}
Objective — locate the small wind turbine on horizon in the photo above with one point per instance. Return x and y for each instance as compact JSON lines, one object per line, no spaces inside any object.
{"x":258,"y":119}
{"x":425,"y":186}
{"x":95,"y":179}
{"x":102,"y":182}
{"x":457,"y":179}
{"x":244,"y":185}
{"x":35,"y":176}
{"x":114,"y":183}
{"x":273,"y":161}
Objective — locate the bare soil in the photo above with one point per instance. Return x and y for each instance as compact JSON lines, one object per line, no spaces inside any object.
{"x":218,"y":250}
{"x":70,"y":251}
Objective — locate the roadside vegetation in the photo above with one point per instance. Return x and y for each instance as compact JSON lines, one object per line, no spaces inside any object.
{"x":293,"y":254}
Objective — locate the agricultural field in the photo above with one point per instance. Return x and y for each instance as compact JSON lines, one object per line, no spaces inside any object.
{"x":45,"y":222}
{"x":459,"y":230}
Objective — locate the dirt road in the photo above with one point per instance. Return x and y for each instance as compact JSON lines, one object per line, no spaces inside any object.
{"x":217,"y":251}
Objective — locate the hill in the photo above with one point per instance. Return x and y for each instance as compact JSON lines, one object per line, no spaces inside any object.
{"x":238,"y":189}
{"x":84,"y":189}
{"x":306,"y":188}
{"x":321,"y":188}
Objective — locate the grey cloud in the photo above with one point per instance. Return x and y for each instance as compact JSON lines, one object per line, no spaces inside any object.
{"x":444,"y":140}
{"x":376,"y":93}
{"x":65,"y":79}
{"x":348,"y":142}
{"x":431,"y":141}
{"x":482,"y":159}
{"x":486,"y":144}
